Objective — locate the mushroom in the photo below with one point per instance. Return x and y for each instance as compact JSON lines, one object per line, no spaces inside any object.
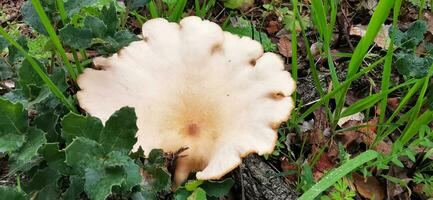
{"x":194,"y":85}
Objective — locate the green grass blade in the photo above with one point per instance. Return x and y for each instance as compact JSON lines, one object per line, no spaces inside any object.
{"x":413,"y":129}
{"x":294,"y":50}
{"x":379,"y":16}
{"x":178,"y":10}
{"x":54,"y":89}
{"x":338,"y":89}
{"x":388,"y":61}
{"x":319,"y":16}
{"x":153,"y":10}
{"x":54,"y":38}
{"x":312,"y":65}
{"x":371,"y":100}
{"x":336,"y":174}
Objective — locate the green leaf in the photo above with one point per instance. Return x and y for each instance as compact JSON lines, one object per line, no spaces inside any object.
{"x":133,"y":176}
{"x":181,"y":194}
{"x":50,"y":191}
{"x":74,"y":125}
{"x":411,"y":65}
{"x":397,"y":162}
{"x":74,"y":6}
{"x":156,"y":158}
{"x":3,"y":43}
{"x":234,"y":4}
{"x":14,"y":53}
{"x":96,"y":26}
{"x":13,"y":125}
{"x":116,"y":159}
{"x":198,"y":194}
{"x":161,"y":179}
{"x":191,"y":185}
{"x":98,"y":186}
{"x":48,"y":122}
{"x":29,"y":80}
{"x":76,"y":187}
{"x":30,"y":16}
{"x":84,"y":153}
{"x":75,"y":37}
{"x":430,"y":96}
{"x":54,"y":158}
{"x":246,"y":28}
{"x":25,"y":155}
{"x":337,"y":173}
{"x":119,"y":131}
{"x":5,"y":71}
{"x":43,"y":178}
{"x":109,"y":16}
{"x":218,"y":188}
{"x":135,"y":4}
{"x":11,"y":193}
{"x":415,"y":34}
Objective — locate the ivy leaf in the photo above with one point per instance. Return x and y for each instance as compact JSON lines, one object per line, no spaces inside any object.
{"x":84,"y":154}
{"x":156,"y":158}
{"x":412,"y":37}
{"x":181,"y":194}
{"x":98,"y":186}
{"x":96,"y":26}
{"x":43,"y":178}
{"x":11,"y":193}
{"x":54,"y":158}
{"x":29,"y":80}
{"x":110,"y":19}
{"x":155,"y":166}
{"x":76,"y":187}
{"x":198,"y":194}
{"x":50,"y":191}
{"x":14,"y":53}
{"x":73,"y":6}
{"x":411,"y":65}
{"x":116,"y":159}
{"x":119,"y":131}
{"x":218,"y":188}
{"x":48,"y":122}
{"x":13,"y":125}
{"x":5,"y":71}
{"x":246,"y":28}
{"x":31,"y":17}
{"x":75,"y":37}
{"x":192,"y":185}
{"x":74,"y":125}
{"x":415,"y":34}
{"x":3,"y":43}
{"x":133,"y":176}
{"x":135,"y":4}
{"x":25,"y":155}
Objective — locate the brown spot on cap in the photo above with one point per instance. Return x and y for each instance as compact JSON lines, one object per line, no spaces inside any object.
{"x":145,"y":39}
{"x":216,"y":48}
{"x":253,"y":62}
{"x":276,"y":95}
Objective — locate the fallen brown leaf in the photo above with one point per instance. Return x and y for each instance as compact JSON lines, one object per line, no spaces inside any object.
{"x":286,"y":166}
{"x":273,"y":27}
{"x":428,"y":16}
{"x":285,"y":47}
{"x":368,"y":187}
{"x":393,"y":102}
{"x":382,"y":39}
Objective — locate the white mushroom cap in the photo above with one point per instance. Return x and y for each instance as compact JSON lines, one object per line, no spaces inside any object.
{"x":194,"y":85}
